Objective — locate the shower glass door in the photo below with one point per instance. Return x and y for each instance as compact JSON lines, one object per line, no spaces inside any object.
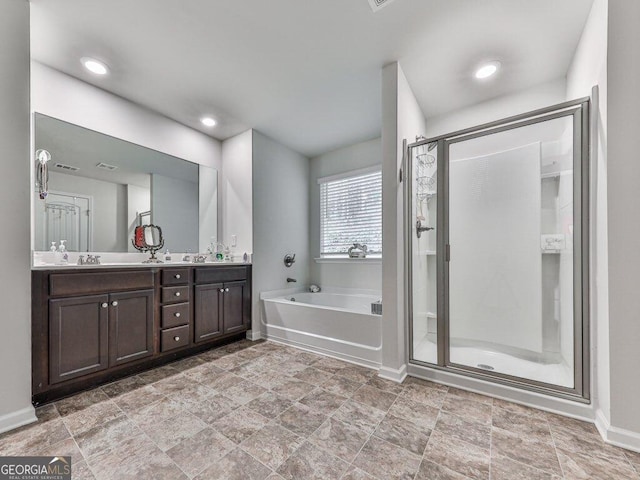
{"x":498,"y":287}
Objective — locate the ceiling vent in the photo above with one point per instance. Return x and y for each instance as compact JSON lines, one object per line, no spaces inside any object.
{"x":68,"y":168}
{"x":106,"y":166}
{"x":378,"y":4}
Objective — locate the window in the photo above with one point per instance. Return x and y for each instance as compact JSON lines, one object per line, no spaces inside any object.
{"x":351,"y":212}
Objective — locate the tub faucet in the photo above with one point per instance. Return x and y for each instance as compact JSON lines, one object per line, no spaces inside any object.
{"x":291,"y":280}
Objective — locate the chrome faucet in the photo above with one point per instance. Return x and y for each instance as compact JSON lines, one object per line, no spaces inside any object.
{"x":199,"y":258}
{"x":91,"y":260}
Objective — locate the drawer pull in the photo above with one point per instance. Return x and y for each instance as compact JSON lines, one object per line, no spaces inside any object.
{"x":177,"y":314}
{"x":222,"y":290}
{"x":226,"y":289}
{"x":105,"y":305}
{"x":176,"y":338}
{"x":177,"y":276}
{"x":114,"y":303}
{"x":177,"y":294}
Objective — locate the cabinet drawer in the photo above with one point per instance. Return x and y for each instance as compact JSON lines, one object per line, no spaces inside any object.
{"x":220,"y":274}
{"x":69,"y":284}
{"x":175,"y":276}
{"x":174,"y":315}
{"x":175,"y":294}
{"x":174,"y":338}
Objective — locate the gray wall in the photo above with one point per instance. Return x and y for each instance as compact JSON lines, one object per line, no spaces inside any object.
{"x":15,"y":341}
{"x":280,"y":218}
{"x":236,"y":183}
{"x":623,"y":207}
{"x":174,"y":208}
{"x":401,"y":118}
{"x":353,"y":157}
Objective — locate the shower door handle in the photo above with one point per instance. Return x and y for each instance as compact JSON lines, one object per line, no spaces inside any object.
{"x":447,"y":252}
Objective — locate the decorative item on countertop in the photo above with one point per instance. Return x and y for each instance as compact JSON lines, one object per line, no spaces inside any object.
{"x":376,"y":308}
{"x":148,"y":238}
{"x":314,"y":289}
{"x":358,"y":250}
{"x":289,"y":260}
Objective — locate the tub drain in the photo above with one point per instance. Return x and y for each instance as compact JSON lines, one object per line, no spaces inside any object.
{"x":485,"y":367}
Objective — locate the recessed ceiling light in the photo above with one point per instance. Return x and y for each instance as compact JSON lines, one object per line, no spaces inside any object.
{"x":487,"y":70}
{"x":208,"y":121}
{"x":94,"y":66}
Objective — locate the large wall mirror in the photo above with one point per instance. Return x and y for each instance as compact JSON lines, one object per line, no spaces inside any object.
{"x":101,"y":187}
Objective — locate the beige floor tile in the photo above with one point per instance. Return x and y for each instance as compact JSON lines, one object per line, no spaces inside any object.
{"x":311,"y":463}
{"x":272,"y":445}
{"x":386,"y":461}
{"x":199,"y":451}
{"x":374,"y":397}
{"x":461,"y":457}
{"x":236,"y":465}
{"x":240,"y":424}
{"x":301,"y":419}
{"x":339,"y":439}
{"x":403,"y":433}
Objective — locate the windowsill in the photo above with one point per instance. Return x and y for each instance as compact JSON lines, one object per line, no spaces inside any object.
{"x":345,"y":259}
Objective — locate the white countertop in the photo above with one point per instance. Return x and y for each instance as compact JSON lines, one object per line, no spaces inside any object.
{"x":49,"y":261}
{"x":73,"y":266}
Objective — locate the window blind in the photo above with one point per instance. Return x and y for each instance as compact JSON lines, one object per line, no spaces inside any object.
{"x":351,"y":212}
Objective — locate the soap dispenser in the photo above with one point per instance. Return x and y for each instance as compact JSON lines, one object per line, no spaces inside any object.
{"x":167,"y":256}
{"x":64,"y":255}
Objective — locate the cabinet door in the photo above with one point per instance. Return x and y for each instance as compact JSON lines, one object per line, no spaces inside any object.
{"x":78,"y":339}
{"x":130,"y":326}
{"x":208,"y":312}
{"x":234,"y":320}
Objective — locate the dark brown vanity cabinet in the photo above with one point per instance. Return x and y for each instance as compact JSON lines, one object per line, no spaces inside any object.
{"x":130,"y":326}
{"x":79,"y":341}
{"x":222,"y":302}
{"x":92,"y":333}
{"x":92,"y":326}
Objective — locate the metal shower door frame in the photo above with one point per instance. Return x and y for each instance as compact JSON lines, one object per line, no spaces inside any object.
{"x":579,"y":110}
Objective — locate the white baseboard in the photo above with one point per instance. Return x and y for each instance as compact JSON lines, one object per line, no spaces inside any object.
{"x":253,"y":335}
{"x":618,"y":437}
{"x":17,"y":419}
{"x":395,"y":375}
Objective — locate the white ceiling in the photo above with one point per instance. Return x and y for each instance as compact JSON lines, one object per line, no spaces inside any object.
{"x":306,"y":73}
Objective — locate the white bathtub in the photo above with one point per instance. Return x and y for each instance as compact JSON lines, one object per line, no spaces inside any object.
{"x":333,"y":322}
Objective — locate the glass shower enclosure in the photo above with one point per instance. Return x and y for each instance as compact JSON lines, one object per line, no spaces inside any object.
{"x":497,"y":254}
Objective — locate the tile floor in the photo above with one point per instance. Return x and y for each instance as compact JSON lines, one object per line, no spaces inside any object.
{"x":252,"y":411}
